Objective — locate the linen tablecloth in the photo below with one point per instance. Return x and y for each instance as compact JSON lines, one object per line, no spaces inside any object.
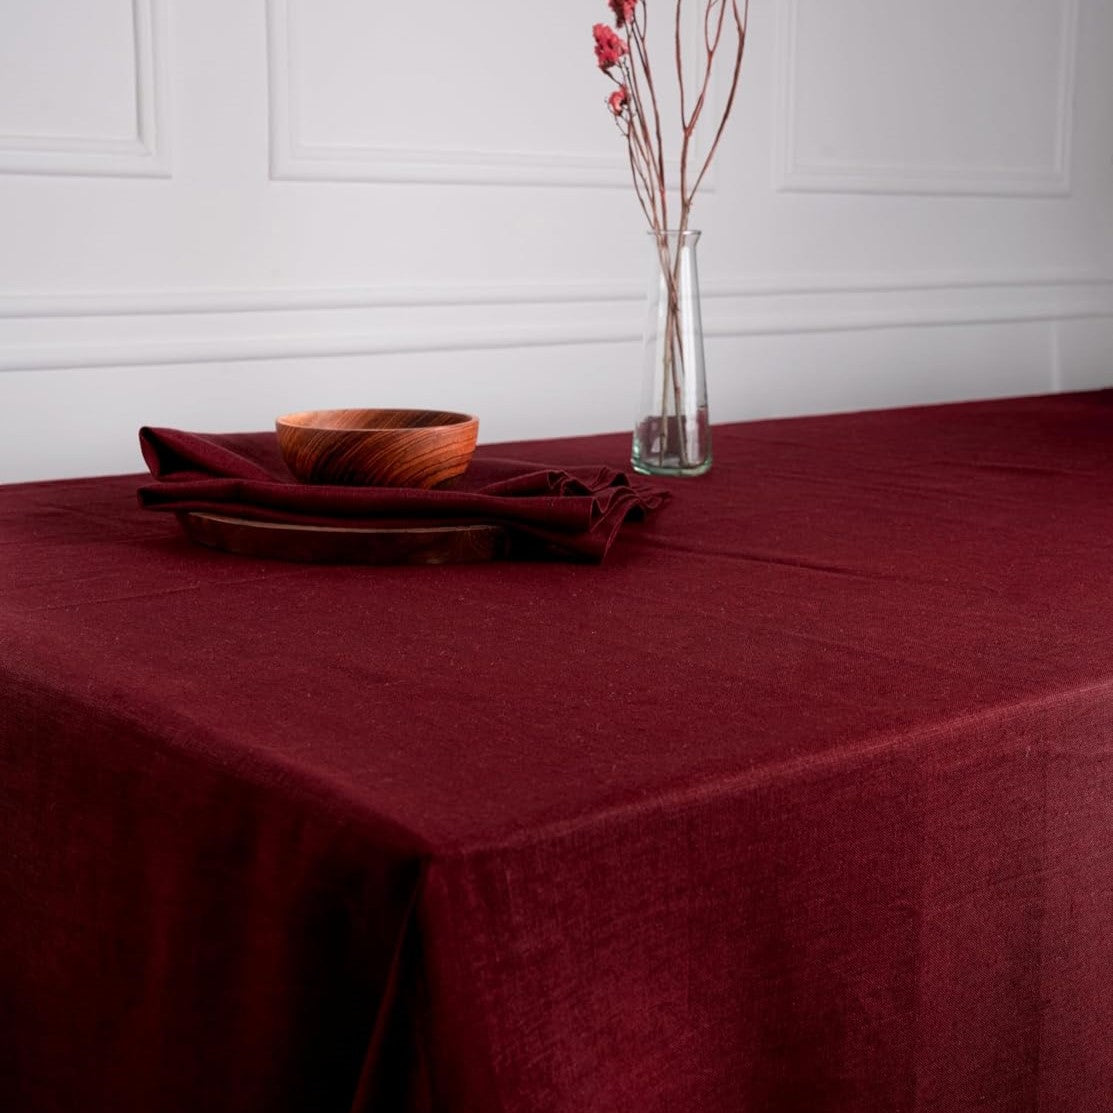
{"x":802,"y":801}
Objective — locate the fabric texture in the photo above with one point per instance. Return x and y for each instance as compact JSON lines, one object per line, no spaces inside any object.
{"x":802,"y":801}
{"x":548,"y":510}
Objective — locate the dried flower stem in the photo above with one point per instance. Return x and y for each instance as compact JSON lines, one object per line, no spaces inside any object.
{"x":642,"y":115}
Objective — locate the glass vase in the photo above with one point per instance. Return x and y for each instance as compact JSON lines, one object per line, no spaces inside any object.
{"x":672,"y":435}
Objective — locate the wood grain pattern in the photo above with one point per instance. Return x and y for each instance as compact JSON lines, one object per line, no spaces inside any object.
{"x":429,"y":544}
{"x":378,"y":448}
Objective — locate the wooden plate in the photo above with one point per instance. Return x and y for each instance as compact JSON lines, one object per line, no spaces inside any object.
{"x":422,"y":544}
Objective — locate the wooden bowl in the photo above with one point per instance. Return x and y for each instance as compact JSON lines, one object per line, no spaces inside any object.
{"x":377,"y":448}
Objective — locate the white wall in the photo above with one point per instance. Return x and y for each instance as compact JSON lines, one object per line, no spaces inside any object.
{"x":215,"y":211}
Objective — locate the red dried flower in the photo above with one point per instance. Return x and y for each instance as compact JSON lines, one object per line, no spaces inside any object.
{"x":619,"y":99}
{"x":623,"y":11}
{"x":609,"y":47}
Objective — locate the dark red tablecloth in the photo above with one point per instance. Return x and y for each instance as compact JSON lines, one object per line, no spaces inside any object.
{"x":802,"y":801}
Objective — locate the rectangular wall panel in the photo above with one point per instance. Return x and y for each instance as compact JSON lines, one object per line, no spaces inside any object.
{"x":948,"y":97}
{"x":82,"y":88}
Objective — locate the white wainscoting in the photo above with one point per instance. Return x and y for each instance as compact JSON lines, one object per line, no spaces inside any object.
{"x":374,"y":205}
{"x":56,"y":332}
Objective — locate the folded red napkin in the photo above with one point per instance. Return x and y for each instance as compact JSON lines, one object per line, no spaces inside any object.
{"x":575,"y":511}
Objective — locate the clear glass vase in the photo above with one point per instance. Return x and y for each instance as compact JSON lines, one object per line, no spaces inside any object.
{"x":672,"y":435}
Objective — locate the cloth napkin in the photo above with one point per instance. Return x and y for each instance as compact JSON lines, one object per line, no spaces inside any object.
{"x":573,"y":512}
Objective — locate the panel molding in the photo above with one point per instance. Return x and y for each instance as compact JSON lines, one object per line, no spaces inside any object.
{"x":136,"y":303}
{"x":293,"y":159}
{"x":231,"y":326}
{"x":146,"y":154}
{"x":792,"y":174}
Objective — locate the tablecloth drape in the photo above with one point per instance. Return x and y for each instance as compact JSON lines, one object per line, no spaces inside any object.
{"x":802,"y":801}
